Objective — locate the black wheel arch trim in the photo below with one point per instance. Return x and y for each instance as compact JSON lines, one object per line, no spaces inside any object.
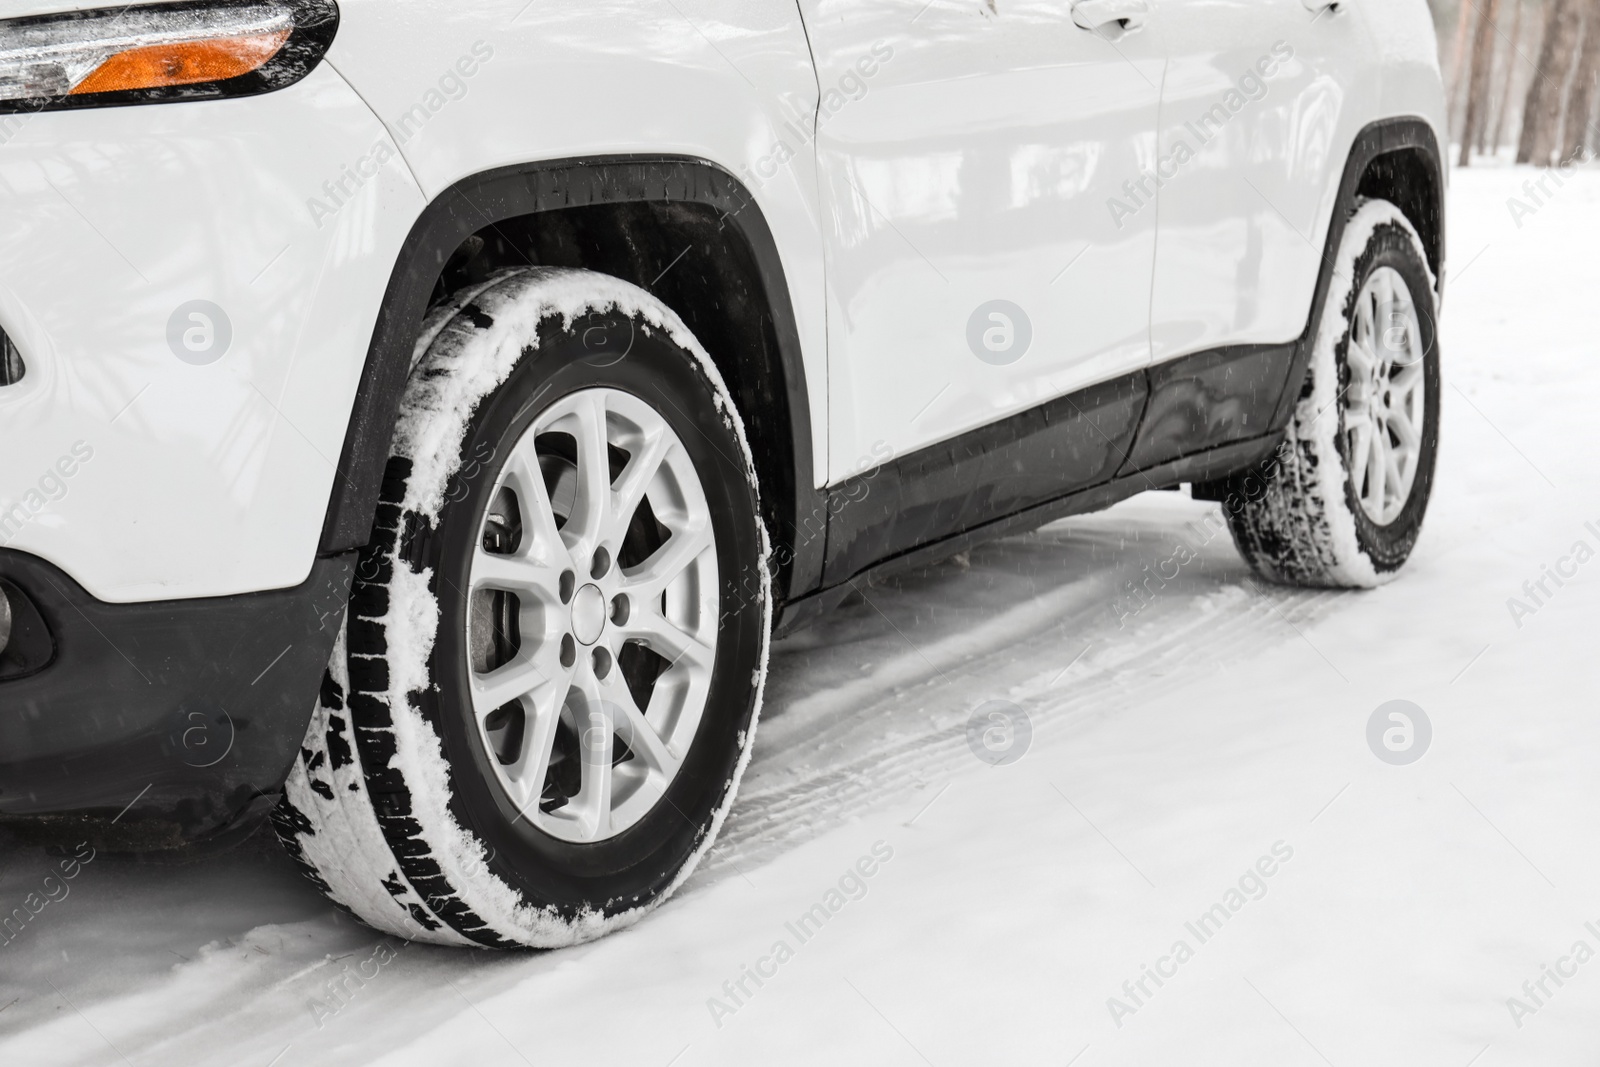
{"x":1378,"y":139}
{"x":484,"y":199}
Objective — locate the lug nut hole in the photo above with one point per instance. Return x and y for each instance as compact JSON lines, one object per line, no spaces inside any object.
{"x":602,"y":563}
{"x":569,"y":582}
{"x":569,"y":650}
{"x":602,"y":663}
{"x":620,"y":609}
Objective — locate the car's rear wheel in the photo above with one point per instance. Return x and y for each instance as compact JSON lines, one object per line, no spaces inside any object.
{"x":1341,"y":502}
{"x":551,"y":674}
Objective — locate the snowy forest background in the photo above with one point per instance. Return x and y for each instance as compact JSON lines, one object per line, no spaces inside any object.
{"x":1521,"y":77}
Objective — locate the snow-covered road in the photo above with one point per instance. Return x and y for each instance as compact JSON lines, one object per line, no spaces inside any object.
{"x":1199,"y":775}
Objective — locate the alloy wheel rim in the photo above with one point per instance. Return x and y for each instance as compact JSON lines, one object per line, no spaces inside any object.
{"x":592,"y":621}
{"x":1385,"y":399}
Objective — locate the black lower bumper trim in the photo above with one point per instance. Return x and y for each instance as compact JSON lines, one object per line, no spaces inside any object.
{"x":172,"y":720}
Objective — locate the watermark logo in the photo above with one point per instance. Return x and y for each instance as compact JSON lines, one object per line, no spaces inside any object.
{"x":810,"y":528}
{"x":1252,"y":885}
{"x":198,"y":332}
{"x":999,"y":332}
{"x":352,"y":178}
{"x":1565,"y":969}
{"x":53,"y":890}
{"x":1399,"y":732}
{"x":606,"y":720}
{"x":456,"y":490}
{"x":52,"y":485}
{"x":1552,"y":577}
{"x":999,"y":732}
{"x":1250,"y":88}
{"x":796,"y":134}
{"x":851,"y":886}
{"x":1398,"y":337}
{"x":342,"y":988}
{"x":206,"y":740}
{"x":1397,"y":341}
{"x":606,"y":339}
{"x":1140,"y":592}
{"x":1521,"y":209}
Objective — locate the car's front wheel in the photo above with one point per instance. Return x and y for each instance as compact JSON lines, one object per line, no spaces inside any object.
{"x":553,"y":663}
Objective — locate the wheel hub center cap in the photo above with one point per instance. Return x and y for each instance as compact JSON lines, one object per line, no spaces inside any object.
{"x":588,"y":614}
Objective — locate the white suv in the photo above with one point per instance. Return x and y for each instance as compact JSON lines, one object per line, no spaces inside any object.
{"x":417,"y":419}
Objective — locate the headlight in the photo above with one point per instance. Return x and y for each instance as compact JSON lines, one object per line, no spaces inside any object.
{"x":161,"y":52}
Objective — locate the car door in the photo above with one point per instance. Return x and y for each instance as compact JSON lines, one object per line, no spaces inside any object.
{"x":967,"y":153}
{"x":1258,"y":113}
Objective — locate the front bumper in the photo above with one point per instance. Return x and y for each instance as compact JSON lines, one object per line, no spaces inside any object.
{"x":167,"y":722}
{"x":193,"y":473}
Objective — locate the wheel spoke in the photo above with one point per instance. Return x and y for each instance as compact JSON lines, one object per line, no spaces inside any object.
{"x":1377,"y":465}
{"x":541,"y":711}
{"x":1400,"y":423}
{"x":1359,"y":356}
{"x":1383,"y":314}
{"x":648,"y":579}
{"x":522,"y":675}
{"x":592,"y":805}
{"x":665,"y":638}
{"x":1404,"y":382}
{"x":592,"y":508}
{"x":642,"y":738}
{"x":1360,"y":446}
{"x":634,"y":480}
{"x":1394,"y":484}
{"x":1369,"y":322}
{"x":523,"y":477}
{"x":513,"y":573}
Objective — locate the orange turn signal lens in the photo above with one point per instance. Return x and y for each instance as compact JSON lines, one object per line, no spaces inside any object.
{"x":183,"y":63}
{"x":160,"y":53}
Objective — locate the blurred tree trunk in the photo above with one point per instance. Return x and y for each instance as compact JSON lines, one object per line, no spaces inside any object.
{"x":1511,"y":68}
{"x":1541,"y":115}
{"x":1458,"y":55}
{"x":1482,"y":72}
{"x":1578,"y":134}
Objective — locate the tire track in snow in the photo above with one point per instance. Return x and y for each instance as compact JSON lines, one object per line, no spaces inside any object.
{"x":892,"y":730}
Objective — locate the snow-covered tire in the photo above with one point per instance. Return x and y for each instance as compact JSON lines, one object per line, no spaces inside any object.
{"x":429,"y":817}
{"x":1300,"y":519}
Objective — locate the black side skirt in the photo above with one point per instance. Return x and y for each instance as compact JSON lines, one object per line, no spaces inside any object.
{"x":1194,"y":419}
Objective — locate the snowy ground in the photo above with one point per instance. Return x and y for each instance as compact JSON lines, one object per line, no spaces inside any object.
{"x":1219,"y":726}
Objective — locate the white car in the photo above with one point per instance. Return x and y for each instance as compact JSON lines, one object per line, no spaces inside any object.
{"x":418,"y":419}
